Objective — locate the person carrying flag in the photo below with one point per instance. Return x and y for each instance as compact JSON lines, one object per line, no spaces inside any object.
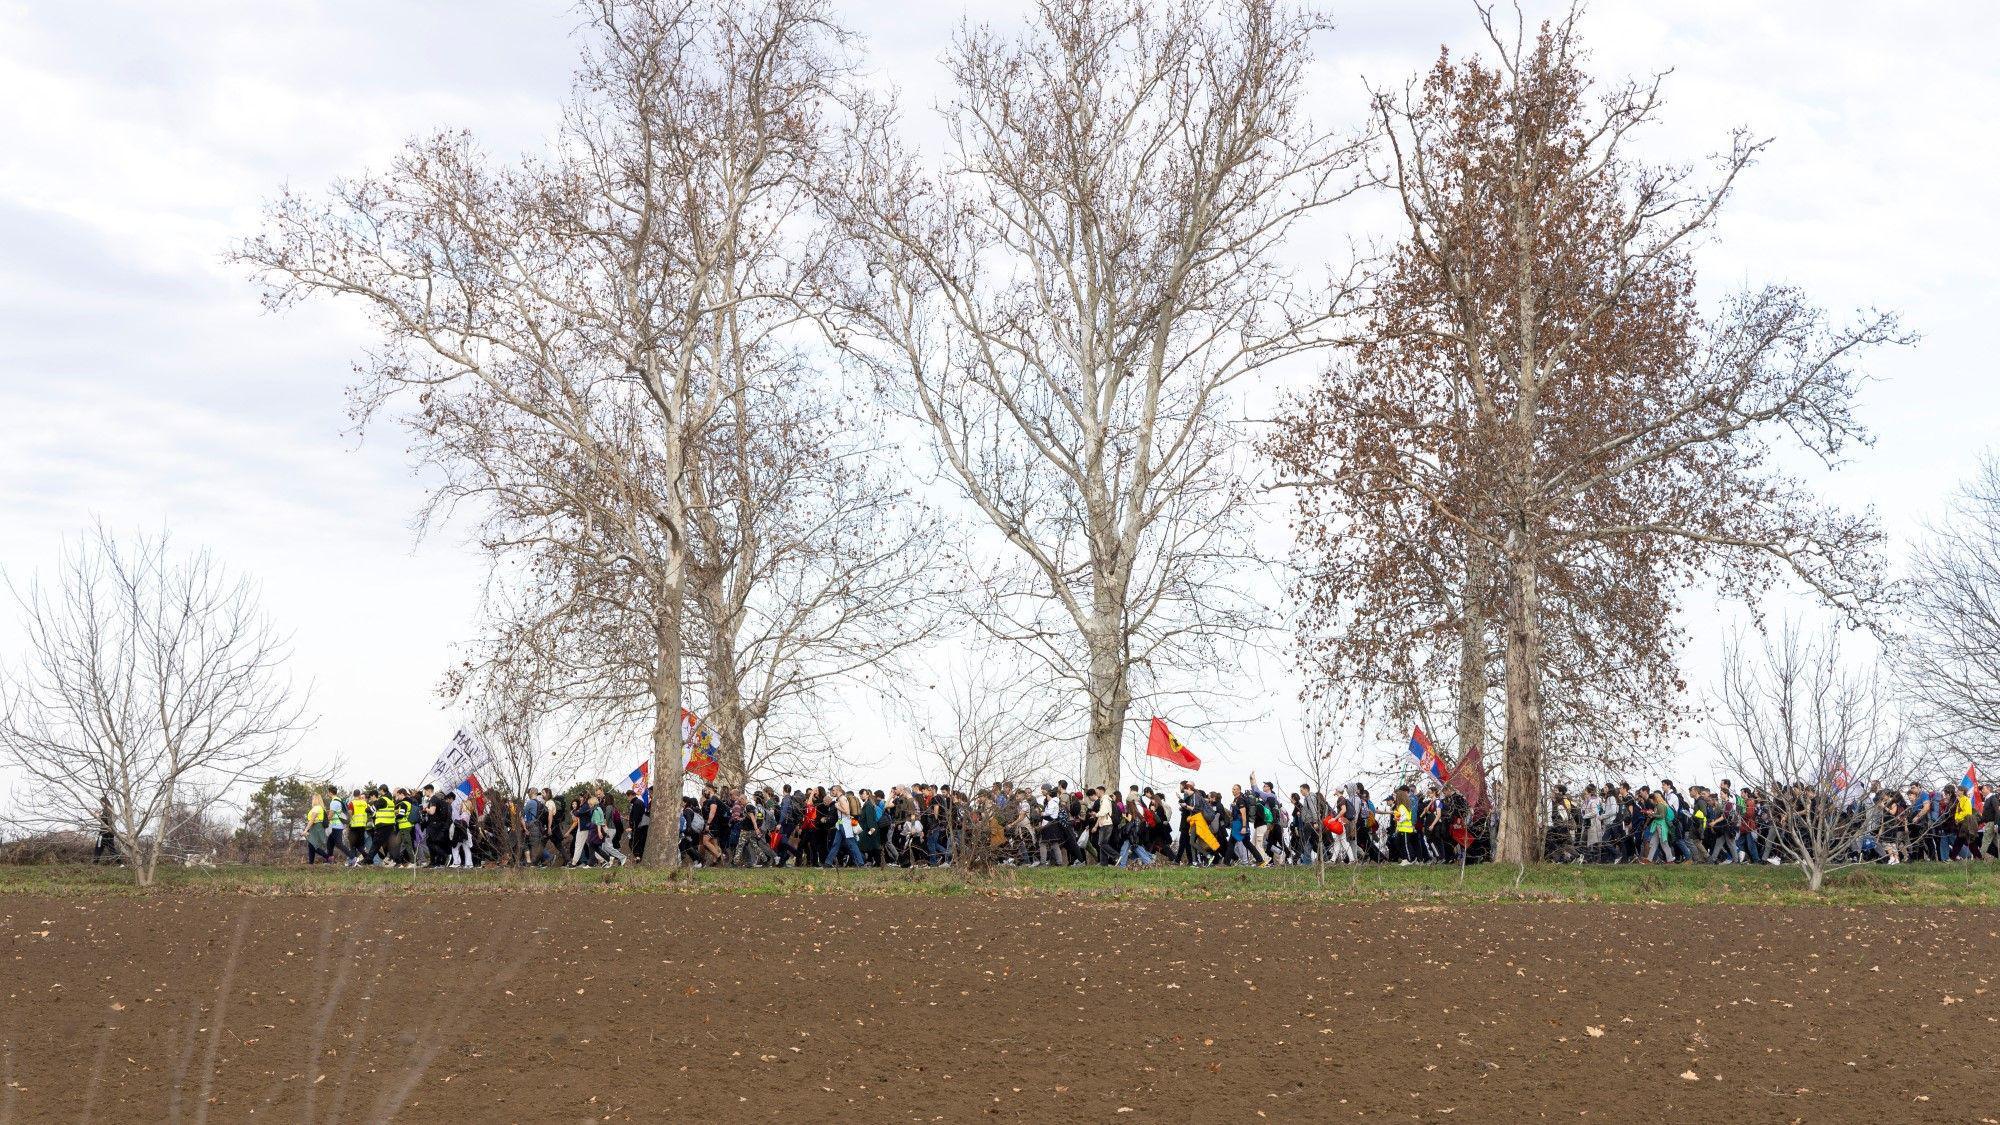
{"x":639,"y":814}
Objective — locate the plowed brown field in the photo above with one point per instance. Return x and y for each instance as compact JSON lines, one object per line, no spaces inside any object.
{"x":718,"y":1007}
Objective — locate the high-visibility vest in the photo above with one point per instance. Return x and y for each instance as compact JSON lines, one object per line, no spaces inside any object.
{"x":1403,"y":819}
{"x":315,"y":814}
{"x":358,"y":812}
{"x":385,"y":810}
{"x":403,"y":813}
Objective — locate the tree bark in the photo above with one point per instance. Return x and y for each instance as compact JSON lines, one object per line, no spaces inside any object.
{"x":663,"y":842}
{"x":1110,"y":693}
{"x":1472,"y":678}
{"x":725,"y":688}
{"x":1520,"y":833}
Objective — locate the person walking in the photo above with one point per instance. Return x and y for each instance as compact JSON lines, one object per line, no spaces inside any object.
{"x":639,"y":814}
{"x":406,"y":829}
{"x":461,"y":830}
{"x":581,"y":845}
{"x":535,"y":826}
{"x":846,"y":830}
{"x":316,"y":830}
{"x":1404,"y":825}
{"x":106,"y":849}
{"x":357,"y":830}
{"x":600,"y":826}
{"x":336,"y":825}
{"x":383,"y":817}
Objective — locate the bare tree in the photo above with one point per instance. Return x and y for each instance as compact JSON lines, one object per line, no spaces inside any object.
{"x":1548,"y":387}
{"x":1949,"y":658}
{"x":1319,"y":756}
{"x":980,"y":731}
{"x":1071,"y":305}
{"x":531,"y":745}
{"x":1808,"y":734}
{"x":151,"y":687}
{"x":566,"y":329}
{"x":811,"y":565}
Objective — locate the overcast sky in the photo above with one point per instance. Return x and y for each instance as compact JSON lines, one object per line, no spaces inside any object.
{"x":140,"y":383}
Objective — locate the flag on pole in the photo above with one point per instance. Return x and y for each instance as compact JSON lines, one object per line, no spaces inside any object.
{"x":1162,"y":744}
{"x":1971,"y":779}
{"x":464,"y":756}
{"x":1427,"y":758}
{"x":637,"y":778}
{"x":1468,"y":778}
{"x":474,"y":792}
{"x":700,"y":742}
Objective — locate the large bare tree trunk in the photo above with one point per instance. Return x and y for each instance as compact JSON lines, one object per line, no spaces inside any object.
{"x":1110,"y":696}
{"x":663,"y":843}
{"x":725,"y":688}
{"x":1520,"y":835}
{"x":1472,"y":678}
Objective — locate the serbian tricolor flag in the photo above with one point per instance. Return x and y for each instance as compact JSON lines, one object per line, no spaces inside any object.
{"x":1162,"y":744}
{"x":1971,"y":779}
{"x":637,"y":778}
{"x":1427,"y":758}
{"x":474,"y":792}
{"x":700,"y":742}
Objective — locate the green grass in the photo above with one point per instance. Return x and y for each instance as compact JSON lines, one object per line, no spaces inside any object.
{"x":1927,"y":884}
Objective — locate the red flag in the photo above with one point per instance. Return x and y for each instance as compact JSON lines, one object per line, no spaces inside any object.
{"x":1162,"y":744}
{"x":1469,"y":779}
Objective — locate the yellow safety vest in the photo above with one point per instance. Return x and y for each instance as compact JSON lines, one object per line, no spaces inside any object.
{"x":385,"y":810}
{"x":315,"y":814}
{"x":403,"y":813}
{"x":358,"y":812}
{"x":1403,"y":819}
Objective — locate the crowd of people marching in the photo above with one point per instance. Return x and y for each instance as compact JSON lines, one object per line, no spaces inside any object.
{"x":1055,"y":824}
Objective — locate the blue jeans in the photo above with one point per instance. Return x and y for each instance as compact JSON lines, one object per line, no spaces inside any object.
{"x":1132,"y":847}
{"x":843,"y":845}
{"x":1748,"y":840}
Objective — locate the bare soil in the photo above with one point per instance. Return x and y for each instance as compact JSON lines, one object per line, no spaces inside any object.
{"x":581,"y":1007}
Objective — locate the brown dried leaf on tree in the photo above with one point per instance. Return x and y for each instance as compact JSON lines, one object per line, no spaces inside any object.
{"x":1545,"y":440}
